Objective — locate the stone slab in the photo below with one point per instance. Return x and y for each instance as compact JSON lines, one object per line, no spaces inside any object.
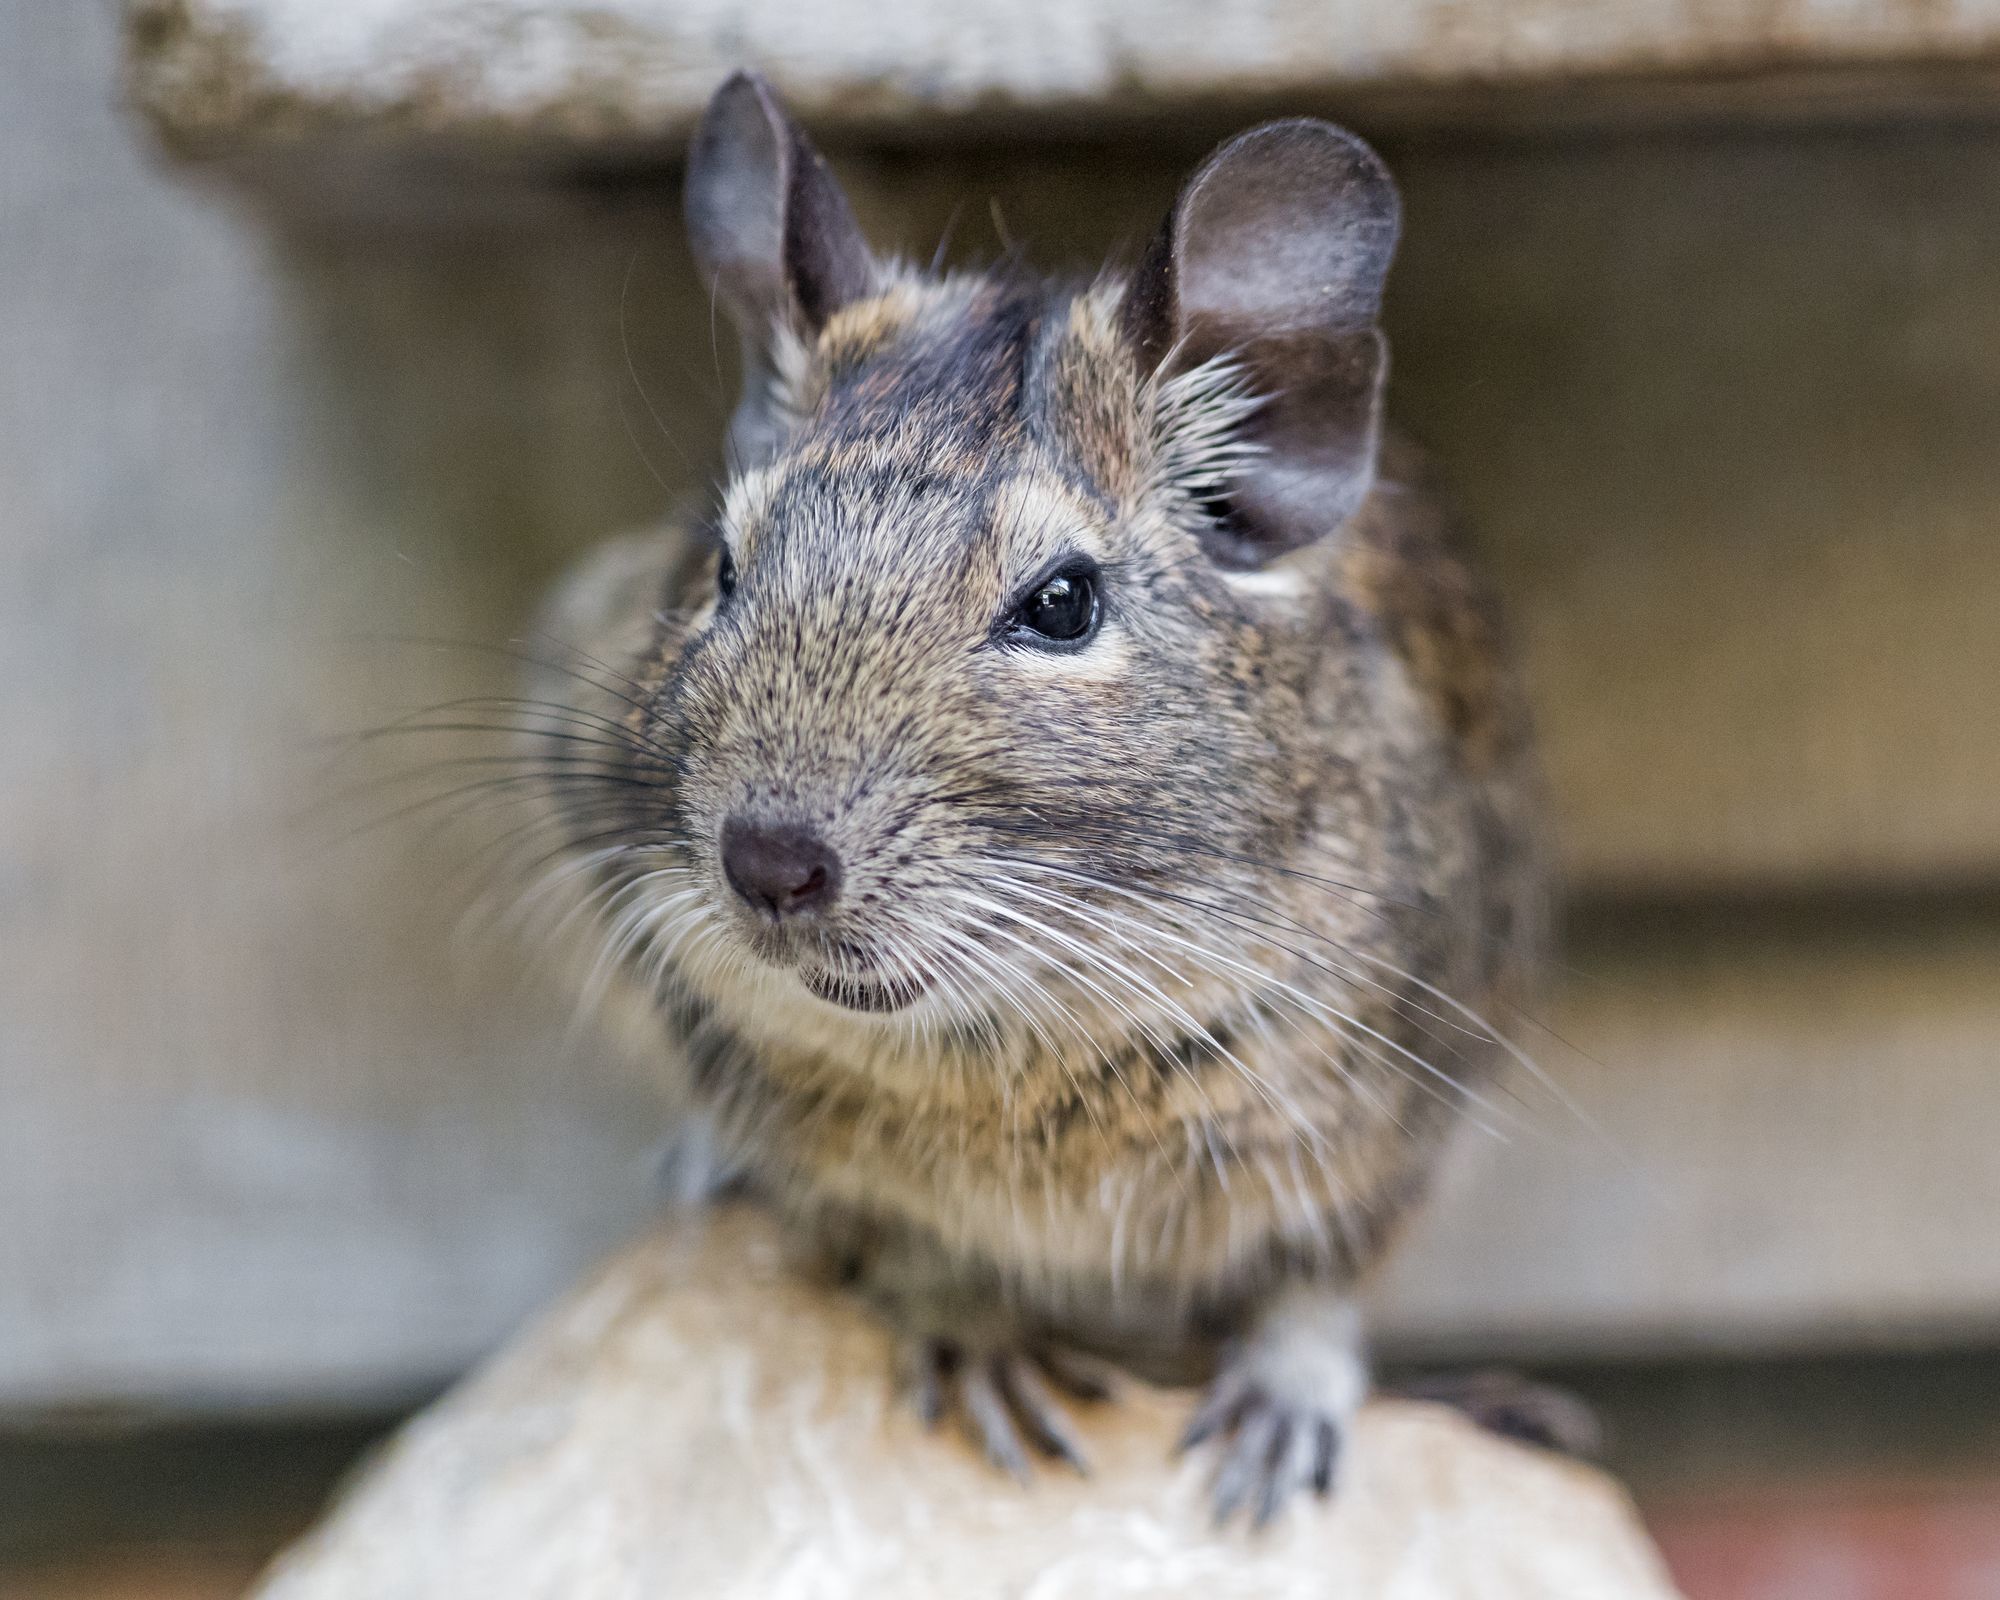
{"x":698,"y":1421}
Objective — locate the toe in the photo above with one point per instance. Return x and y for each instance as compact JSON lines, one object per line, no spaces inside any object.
{"x":991,"y":1419}
{"x":1285,"y":1468}
{"x":1228,"y":1398}
{"x":1326,"y":1455}
{"x":1246,"y":1461}
{"x":1270,"y":1451}
{"x":1039,"y":1413}
{"x":1003,"y":1400}
{"x":923,"y":1368}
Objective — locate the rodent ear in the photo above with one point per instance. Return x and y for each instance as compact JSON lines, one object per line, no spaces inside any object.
{"x":1274,"y":256}
{"x":772,"y":233}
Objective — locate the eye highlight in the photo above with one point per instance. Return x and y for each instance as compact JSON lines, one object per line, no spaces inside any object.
{"x":1061,"y":610}
{"x":725,"y":574}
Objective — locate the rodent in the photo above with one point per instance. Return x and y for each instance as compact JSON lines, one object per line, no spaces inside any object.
{"x":1070,"y":805}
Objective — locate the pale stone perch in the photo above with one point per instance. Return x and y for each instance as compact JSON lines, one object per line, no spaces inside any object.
{"x":700,"y":1421}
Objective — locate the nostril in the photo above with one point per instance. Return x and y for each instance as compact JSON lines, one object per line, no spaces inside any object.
{"x":779,"y":869}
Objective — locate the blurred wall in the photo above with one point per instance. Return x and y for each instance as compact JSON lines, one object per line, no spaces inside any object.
{"x":266,"y":1124}
{"x":281,"y":1122}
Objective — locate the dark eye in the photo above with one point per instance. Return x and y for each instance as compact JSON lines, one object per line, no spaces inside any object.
{"x":725,"y":574}
{"x":1062,"y":609}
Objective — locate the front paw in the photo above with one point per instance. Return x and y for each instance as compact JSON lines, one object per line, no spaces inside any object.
{"x":1004,"y":1397}
{"x":1281,"y":1405}
{"x":1272,"y":1447}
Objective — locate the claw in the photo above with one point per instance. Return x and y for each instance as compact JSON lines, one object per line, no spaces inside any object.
{"x":1271,"y":1448}
{"x":1040,"y":1413}
{"x":1277,"y":1480}
{"x":979,"y":1391}
{"x":1220,"y":1411}
{"x":1326,"y":1454}
{"x":1247,"y":1463}
{"x":923,"y":1382}
{"x":1001,"y":1397}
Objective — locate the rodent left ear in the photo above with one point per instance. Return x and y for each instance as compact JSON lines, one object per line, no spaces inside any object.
{"x":1274,"y":256}
{"x":772,"y":233}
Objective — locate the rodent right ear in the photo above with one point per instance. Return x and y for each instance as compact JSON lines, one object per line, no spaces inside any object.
{"x":772,"y":234}
{"x":1273,"y":258}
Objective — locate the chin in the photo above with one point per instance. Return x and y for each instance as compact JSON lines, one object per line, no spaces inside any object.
{"x":870,"y":996}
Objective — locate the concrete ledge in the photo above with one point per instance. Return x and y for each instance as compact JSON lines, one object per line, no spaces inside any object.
{"x":573,"y":77}
{"x":697,"y":1421}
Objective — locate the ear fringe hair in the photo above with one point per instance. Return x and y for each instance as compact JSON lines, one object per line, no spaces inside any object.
{"x":1198,"y":417}
{"x":788,"y":378}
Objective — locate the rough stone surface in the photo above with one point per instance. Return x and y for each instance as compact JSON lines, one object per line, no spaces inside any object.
{"x":698,"y":1421}
{"x":592,"y":72}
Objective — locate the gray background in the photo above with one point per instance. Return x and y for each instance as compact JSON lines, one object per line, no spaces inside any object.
{"x":280,"y":1121}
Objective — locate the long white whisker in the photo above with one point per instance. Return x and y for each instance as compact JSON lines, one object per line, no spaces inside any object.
{"x":1151,"y":993}
{"x":1311,"y":1003}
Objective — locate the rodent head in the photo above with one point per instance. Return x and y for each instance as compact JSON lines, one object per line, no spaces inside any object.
{"x":1004,"y":619}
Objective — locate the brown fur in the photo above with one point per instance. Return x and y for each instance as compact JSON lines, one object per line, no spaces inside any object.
{"x":1201,"y":921}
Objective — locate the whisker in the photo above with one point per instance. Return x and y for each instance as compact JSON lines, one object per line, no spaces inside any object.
{"x":1182,"y":1018}
{"x":1314,"y":1005}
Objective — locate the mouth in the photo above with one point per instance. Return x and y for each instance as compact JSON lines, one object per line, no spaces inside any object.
{"x":861,"y":994}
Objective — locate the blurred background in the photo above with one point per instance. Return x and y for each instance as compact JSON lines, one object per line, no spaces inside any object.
{"x":329,"y":334}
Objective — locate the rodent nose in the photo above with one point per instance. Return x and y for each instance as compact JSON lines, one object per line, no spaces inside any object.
{"x":780,"y":869}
